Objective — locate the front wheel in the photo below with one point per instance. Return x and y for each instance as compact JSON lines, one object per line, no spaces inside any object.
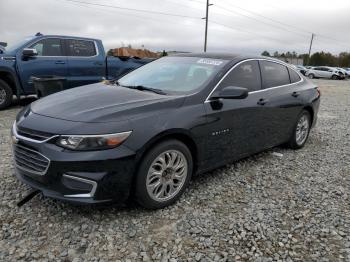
{"x":6,"y":95}
{"x":301,"y":131}
{"x":334,"y":77}
{"x":163,"y":174}
{"x":311,"y":76}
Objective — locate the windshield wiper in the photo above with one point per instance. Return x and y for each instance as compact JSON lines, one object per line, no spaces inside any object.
{"x":145,"y":88}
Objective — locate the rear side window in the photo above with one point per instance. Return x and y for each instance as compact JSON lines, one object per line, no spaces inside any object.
{"x":80,"y":48}
{"x":274,"y":74}
{"x":48,"y":47}
{"x":294,"y":77}
{"x":246,"y":74}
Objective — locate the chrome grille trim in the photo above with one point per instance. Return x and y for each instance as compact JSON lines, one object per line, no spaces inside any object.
{"x":30,"y":160}
{"x":91,"y":182}
{"x":15,"y":133}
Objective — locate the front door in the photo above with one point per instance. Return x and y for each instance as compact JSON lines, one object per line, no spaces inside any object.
{"x":50,"y":61}
{"x":235,"y":127}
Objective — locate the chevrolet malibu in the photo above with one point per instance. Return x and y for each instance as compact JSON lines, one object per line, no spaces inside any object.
{"x":148,"y":133}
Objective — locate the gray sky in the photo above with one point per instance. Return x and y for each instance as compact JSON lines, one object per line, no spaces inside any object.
{"x":243,"y":31}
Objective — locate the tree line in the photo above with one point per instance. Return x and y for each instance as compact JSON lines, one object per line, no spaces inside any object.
{"x":316,"y":59}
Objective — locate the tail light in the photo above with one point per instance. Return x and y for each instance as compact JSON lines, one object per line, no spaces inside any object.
{"x":318,"y":91}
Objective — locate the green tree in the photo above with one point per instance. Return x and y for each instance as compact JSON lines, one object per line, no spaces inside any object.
{"x":265,"y":53}
{"x":164,"y":53}
{"x":110,"y":52}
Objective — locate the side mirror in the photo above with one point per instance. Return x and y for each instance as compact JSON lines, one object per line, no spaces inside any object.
{"x":231,"y":92}
{"x":29,"y":52}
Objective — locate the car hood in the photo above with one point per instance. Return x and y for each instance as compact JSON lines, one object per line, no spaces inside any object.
{"x":103,"y":103}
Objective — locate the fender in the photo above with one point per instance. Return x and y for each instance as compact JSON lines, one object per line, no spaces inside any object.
{"x":13,"y":74}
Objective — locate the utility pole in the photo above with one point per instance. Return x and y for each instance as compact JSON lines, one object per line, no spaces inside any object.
{"x":206,"y":25}
{"x":312,"y":38}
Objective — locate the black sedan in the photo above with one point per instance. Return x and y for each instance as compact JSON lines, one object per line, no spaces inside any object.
{"x":147,"y":134}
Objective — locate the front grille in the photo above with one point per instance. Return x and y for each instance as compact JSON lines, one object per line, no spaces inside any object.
{"x":30,"y":160}
{"x":33,"y":134}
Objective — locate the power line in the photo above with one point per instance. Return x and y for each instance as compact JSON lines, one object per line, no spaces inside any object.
{"x":120,"y":12}
{"x":268,"y":18}
{"x":288,"y":25}
{"x":133,"y":9}
{"x":258,"y":20}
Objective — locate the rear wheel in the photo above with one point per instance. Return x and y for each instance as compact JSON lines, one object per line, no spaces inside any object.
{"x":311,"y":76}
{"x":164,"y":174}
{"x":301,"y":131}
{"x":6,"y":95}
{"x":334,"y":77}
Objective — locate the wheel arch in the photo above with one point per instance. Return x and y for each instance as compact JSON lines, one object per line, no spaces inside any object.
{"x":179,"y":134}
{"x":11,"y":80}
{"x":311,"y":112}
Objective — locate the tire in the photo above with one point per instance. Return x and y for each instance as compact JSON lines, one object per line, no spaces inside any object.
{"x":311,"y":76}
{"x":334,"y":77}
{"x":293,"y":142}
{"x":6,"y":95}
{"x":145,"y":195}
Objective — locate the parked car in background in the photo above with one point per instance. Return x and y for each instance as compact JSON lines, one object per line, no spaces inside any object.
{"x":147,"y":134}
{"x":301,"y":69}
{"x":324,"y":72}
{"x":347,"y":69}
{"x":343,"y":72}
{"x":2,"y":47}
{"x":80,"y":60}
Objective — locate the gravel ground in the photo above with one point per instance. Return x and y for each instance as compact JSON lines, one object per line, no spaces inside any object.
{"x":280,"y":205}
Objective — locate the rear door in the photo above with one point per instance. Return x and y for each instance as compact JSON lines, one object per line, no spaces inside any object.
{"x":282,"y":101}
{"x":85,"y":64}
{"x":49,"y":61}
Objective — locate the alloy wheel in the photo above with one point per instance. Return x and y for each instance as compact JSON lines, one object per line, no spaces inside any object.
{"x":302,"y":130}
{"x":166,"y":175}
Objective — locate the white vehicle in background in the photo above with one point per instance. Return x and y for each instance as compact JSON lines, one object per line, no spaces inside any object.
{"x":343,"y":71}
{"x":324,"y":72}
{"x":347,"y":69}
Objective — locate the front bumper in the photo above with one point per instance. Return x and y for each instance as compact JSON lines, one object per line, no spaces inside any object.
{"x":79,"y":177}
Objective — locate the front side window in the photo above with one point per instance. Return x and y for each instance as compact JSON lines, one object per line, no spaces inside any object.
{"x":294,"y":77}
{"x":274,"y":74}
{"x":176,"y":75}
{"x":48,"y":47}
{"x":246,"y":74}
{"x":81,"y":48}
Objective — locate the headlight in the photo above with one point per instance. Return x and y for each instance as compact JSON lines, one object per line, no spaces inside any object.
{"x":92,"y":142}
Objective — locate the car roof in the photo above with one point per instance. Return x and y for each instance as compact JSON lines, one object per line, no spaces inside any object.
{"x":66,"y":37}
{"x":224,"y":56}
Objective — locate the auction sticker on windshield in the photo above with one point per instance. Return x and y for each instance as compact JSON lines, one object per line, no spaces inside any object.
{"x":210,"y":61}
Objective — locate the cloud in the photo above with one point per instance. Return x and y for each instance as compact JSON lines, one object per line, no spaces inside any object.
{"x":243,"y":31}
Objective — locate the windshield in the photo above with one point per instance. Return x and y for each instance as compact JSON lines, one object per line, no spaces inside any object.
{"x":13,"y":47}
{"x":174,"y":75}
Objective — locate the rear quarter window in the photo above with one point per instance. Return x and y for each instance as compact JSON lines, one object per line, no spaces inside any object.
{"x":273,"y":74}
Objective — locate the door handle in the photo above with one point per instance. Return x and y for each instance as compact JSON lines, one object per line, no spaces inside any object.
{"x":98,"y":63}
{"x":60,"y":62}
{"x":295,"y":94}
{"x":262,"y":101}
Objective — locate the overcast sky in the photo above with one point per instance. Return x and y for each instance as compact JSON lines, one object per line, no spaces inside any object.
{"x":231,"y":27}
